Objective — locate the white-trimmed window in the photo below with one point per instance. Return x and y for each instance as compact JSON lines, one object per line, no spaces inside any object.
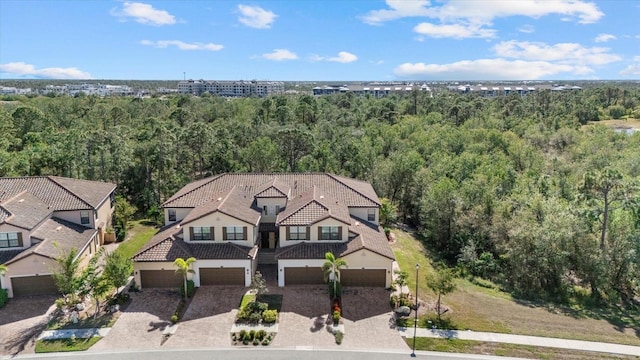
{"x":172,"y":214}
{"x":10,"y":240}
{"x":265,"y":210}
{"x":84,"y":217}
{"x":330,"y":233}
{"x":201,"y":233}
{"x":371,"y":214}
{"x":232,"y":233}
{"x":297,"y":233}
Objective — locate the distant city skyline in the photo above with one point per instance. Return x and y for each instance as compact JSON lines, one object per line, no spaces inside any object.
{"x":348,"y":40}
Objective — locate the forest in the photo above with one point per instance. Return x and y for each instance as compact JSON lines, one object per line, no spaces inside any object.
{"x":528,"y":192}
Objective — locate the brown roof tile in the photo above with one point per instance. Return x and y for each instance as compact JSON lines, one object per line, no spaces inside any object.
{"x":311,"y":207}
{"x":233,"y":202}
{"x":351,"y":193}
{"x":59,"y":193}
{"x":57,"y":237}
{"x":26,"y":211}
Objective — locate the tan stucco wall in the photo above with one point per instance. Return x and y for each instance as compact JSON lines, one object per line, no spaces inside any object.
{"x":181,"y":213}
{"x":246,"y":264}
{"x":74,"y":217}
{"x":365,"y":259}
{"x":363,"y":213}
{"x":26,"y":238}
{"x":271,"y":203}
{"x":104,"y":213}
{"x":295,"y":263}
{"x":314,"y":232}
{"x":218,"y":221}
{"x":29,"y":266}
{"x":137,"y":266}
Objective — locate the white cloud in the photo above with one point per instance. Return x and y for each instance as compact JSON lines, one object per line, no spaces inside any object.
{"x":485,"y":69}
{"x":343,"y":57}
{"x":456,"y":31}
{"x":604,"y":37}
{"x":566,"y":53}
{"x":144,"y":14}
{"x":23,"y":69}
{"x":484,"y":11}
{"x":280,"y":55}
{"x":527,"y":29}
{"x":182,"y":45}
{"x":256,"y":17}
{"x":633,"y":69}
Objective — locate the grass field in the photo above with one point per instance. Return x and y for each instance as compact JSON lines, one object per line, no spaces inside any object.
{"x":622,"y":123}
{"x":481,"y":308}
{"x":511,"y":350}
{"x":137,"y":236}
{"x":64,"y":345}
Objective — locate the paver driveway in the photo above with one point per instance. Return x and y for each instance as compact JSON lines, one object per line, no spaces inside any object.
{"x":21,"y":321}
{"x":141,"y":323}
{"x":209,"y":318}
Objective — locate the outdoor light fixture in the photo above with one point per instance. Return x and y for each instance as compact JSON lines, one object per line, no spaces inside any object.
{"x":415,"y":322}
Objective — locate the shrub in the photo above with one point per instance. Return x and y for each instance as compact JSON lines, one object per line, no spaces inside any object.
{"x":190,"y":288}
{"x":252,"y":334}
{"x":336,"y":317}
{"x":174,"y":318}
{"x":270,"y":316}
{"x":339,"y":336}
{"x":260,"y":334}
{"x":256,"y":342}
{"x":242,"y":334}
{"x":247,"y":337}
{"x":265,"y":342}
{"x":255,"y":318}
{"x":4,"y":297}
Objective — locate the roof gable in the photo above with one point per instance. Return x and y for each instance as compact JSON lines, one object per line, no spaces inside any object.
{"x":311,"y":207}
{"x":234,"y":203}
{"x":273,"y":189}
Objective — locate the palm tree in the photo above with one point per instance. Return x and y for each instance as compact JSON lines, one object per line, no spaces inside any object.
{"x":331,"y":267}
{"x":3,"y":269}
{"x":184,"y":268}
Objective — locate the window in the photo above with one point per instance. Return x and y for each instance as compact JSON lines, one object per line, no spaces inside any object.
{"x":10,"y":240}
{"x":172,"y":214}
{"x":371,"y":214}
{"x":84,"y":217}
{"x":235,"y":233}
{"x":297,"y":233}
{"x":277,"y":209}
{"x":265,"y":210}
{"x":330,"y":233}
{"x":201,"y":234}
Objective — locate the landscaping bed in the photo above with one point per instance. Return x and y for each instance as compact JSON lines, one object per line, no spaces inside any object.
{"x":65,"y":345}
{"x":256,"y":322}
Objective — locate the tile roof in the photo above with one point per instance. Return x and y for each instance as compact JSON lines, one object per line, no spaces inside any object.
{"x":6,"y":255}
{"x":167,"y":246}
{"x":26,"y":211}
{"x":58,"y":192}
{"x":352,"y":193}
{"x":273,"y":188}
{"x":368,"y":237}
{"x":233,"y":202}
{"x":57,"y":237}
{"x":311,"y":207}
{"x":4,"y":213}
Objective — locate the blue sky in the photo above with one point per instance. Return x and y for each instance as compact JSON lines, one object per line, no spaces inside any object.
{"x":321,"y":40}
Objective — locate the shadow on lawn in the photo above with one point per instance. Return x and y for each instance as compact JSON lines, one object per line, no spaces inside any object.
{"x":620,"y":317}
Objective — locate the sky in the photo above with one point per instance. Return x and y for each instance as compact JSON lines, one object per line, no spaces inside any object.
{"x":313,"y":40}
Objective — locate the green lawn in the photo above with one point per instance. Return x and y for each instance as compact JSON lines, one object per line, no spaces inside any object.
{"x":64,"y":345}
{"x":482,"y":306}
{"x":138,"y":235}
{"x":511,"y":350}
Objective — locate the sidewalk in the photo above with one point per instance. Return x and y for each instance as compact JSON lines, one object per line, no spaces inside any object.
{"x":523,"y":340}
{"x":69,"y":333}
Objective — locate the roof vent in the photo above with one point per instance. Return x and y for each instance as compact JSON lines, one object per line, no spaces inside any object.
{"x":59,"y":228}
{"x":21,"y":200}
{"x":219,"y":198}
{"x":321,"y":196}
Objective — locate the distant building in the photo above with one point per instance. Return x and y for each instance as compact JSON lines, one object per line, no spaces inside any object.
{"x":505,"y":90}
{"x":375,"y":89}
{"x":89,"y":89}
{"x":5,"y":90}
{"x":231,"y":88}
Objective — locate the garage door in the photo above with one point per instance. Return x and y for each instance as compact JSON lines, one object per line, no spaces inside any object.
{"x":222,"y":276}
{"x":303,"y":275}
{"x":363,"y":277}
{"x":33,"y":285}
{"x":160,"y":279}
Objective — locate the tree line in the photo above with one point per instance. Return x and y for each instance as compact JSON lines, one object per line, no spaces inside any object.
{"x":518,"y":190}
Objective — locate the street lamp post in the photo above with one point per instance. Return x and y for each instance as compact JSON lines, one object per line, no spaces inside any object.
{"x":415,"y":322}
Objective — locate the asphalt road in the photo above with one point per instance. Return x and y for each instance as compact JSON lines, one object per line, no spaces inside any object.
{"x":251,"y":354}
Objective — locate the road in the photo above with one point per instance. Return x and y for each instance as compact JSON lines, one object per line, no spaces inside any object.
{"x":250,"y":354}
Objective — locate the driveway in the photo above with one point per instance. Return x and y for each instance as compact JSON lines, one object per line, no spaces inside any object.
{"x":21,"y":321}
{"x":209,"y":318}
{"x":141,"y":323}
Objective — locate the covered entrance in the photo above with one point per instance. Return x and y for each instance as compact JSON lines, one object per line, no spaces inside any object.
{"x":269,"y":235}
